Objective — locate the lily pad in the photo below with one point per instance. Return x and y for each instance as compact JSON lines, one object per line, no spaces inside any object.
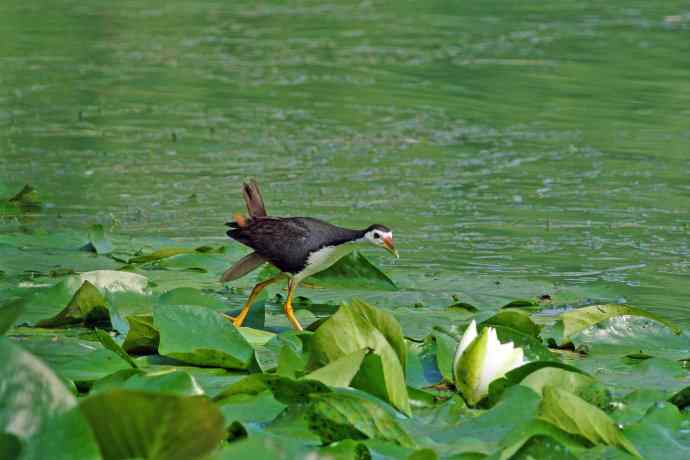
{"x":662,"y":434}
{"x":335,"y":417}
{"x":514,"y":319}
{"x":558,"y":444}
{"x":142,"y":336}
{"x":445,"y":352}
{"x":86,"y":306}
{"x":66,"y":436}
{"x":78,"y":360}
{"x":141,"y":424}
{"x":517,"y":408}
{"x":340,"y":372}
{"x":517,"y":375}
{"x":46,"y":302}
{"x":30,"y":393}
{"x":9,"y":313}
{"x":573,"y":415}
{"x":632,"y":336}
{"x":352,"y":271}
{"x":200,"y":336}
{"x":159,"y":254}
{"x":98,"y":241}
{"x":348,"y":331}
{"x":191,"y":296}
{"x":108,"y":342}
{"x":575,"y":321}
{"x":26,"y":199}
{"x":165,"y":381}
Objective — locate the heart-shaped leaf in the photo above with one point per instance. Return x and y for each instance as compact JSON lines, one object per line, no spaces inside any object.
{"x":200,"y":336}
{"x":140,"y":424}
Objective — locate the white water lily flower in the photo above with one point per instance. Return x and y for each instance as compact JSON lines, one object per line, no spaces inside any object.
{"x":481,"y":359}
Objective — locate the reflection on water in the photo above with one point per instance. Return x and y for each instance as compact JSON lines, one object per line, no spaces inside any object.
{"x":536,"y":142}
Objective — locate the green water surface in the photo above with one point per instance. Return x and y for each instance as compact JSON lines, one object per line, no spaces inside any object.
{"x":507,"y":143}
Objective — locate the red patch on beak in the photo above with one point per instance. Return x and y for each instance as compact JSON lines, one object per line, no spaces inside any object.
{"x":390,"y":245}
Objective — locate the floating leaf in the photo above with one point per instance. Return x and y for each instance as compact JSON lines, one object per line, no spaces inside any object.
{"x":86,"y":306}
{"x":421,"y":369}
{"x":519,"y":441}
{"x":681,"y":399}
{"x":339,"y":416}
{"x":244,"y":408}
{"x":10,"y":446}
{"x":195,"y":261}
{"x":517,"y":408}
{"x":517,"y":375}
{"x":445,"y":351}
{"x":192,"y":296}
{"x":340,"y":372}
{"x":165,"y":381}
{"x":9,"y":313}
{"x":77,"y":360}
{"x":46,"y":302}
{"x":543,"y":447}
{"x":131,"y":424}
{"x":662,"y":434}
{"x":521,"y":303}
{"x":30,"y":393}
{"x":463,"y":306}
{"x":348,"y":331}
{"x":266,"y":445}
{"x":158,"y":255}
{"x":573,"y":415}
{"x":352,"y":271}
{"x":632,"y":336}
{"x":572,"y":322}
{"x":98,"y":241}
{"x":386,"y":323}
{"x":200,"y":336}
{"x":286,"y":390}
{"x":142,"y":337}
{"x":518,"y":320}
{"x":27,"y":198}
{"x":108,"y":342}
{"x":624,"y":375}
{"x":66,"y":436}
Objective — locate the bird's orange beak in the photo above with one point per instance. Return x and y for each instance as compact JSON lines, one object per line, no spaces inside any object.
{"x":390,"y":246}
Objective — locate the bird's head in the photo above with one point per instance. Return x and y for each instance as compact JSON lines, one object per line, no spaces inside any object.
{"x":380,"y":235}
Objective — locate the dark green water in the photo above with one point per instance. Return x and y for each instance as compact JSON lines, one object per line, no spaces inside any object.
{"x":503,"y":141}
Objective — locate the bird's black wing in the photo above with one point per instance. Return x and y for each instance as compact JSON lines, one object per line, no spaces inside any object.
{"x":284,"y":242}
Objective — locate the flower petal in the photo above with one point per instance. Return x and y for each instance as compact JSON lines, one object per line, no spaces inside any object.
{"x":467,"y":338}
{"x":470,"y":367}
{"x":480,"y":360}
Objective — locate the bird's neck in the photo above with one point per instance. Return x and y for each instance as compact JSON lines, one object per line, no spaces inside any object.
{"x":346,"y":237}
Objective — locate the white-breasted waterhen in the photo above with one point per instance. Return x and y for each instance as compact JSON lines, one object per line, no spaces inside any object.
{"x":298,"y":246}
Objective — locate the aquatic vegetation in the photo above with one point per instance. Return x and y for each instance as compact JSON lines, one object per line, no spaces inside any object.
{"x":481,"y":359}
{"x":129,"y":352}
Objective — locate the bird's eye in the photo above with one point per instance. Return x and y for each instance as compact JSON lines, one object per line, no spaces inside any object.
{"x":377,"y":235}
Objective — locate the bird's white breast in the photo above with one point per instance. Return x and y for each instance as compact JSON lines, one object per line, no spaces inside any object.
{"x":324,"y":258}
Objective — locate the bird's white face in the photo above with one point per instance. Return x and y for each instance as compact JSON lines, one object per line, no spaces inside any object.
{"x":382,"y":239}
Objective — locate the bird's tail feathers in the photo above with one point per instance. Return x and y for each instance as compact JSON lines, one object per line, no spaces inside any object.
{"x":252,"y":196}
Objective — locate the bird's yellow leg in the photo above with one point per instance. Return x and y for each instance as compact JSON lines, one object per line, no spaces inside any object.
{"x":292,"y":287}
{"x":239,"y":319}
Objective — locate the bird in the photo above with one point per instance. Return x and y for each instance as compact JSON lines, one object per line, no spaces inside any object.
{"x":297,"y":246}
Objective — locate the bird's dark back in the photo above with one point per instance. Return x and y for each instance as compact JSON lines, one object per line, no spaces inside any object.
{"x":287,"y":242}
